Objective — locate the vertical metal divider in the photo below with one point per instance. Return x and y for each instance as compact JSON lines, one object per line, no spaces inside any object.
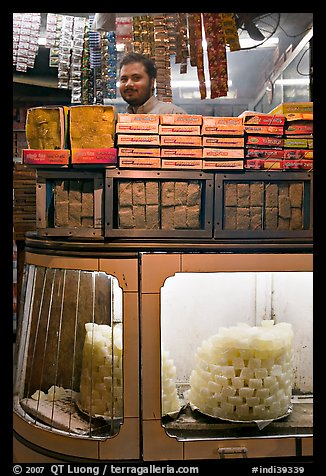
{"x":59,"y":337}
{"x":140,"y":375}
{"x":218,"y":203}
{"x":74,"y":345}
{"x":46,"y":342}
{"x":92,"y":355}
{"x":112,"y":362}
{"x":113,"y":406}
{"x":35,"y":341}
{"x":24,"y":330}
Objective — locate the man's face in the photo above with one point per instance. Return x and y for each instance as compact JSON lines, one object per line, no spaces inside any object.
{"x":135,"y":84}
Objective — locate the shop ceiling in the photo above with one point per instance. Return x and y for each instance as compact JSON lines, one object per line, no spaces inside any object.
{"x":248,"y":69}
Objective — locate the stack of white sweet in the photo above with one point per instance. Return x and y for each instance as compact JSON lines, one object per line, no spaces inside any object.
{"x":101,"y":375}
{"x":244,"y":373}
{"x":170,"y":400}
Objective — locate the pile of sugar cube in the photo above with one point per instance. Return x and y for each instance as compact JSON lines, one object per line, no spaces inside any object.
{"x":244,"y":372}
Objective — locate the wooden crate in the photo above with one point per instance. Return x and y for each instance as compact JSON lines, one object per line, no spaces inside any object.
{"x":24,"y":200}
{"x":155,"y":204}
{"x":263,"y":205}
{"x":69,"y":203}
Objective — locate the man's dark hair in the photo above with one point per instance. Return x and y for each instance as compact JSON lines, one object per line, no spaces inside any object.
{"x":138,"y":58}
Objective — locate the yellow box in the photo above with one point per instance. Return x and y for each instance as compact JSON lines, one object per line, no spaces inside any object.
{"x":287,"y":107}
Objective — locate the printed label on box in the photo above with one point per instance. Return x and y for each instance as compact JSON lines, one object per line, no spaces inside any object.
{"x":136,"y":128}
{"x":223,"y":141}
{"x":223,"y":164}
{"x":181,"y":164}
{"x":151,"y":118}
{"x":190,"y":153}
{"x":141,"y":139}
{"x":277,"y":130}
{"x":263,"y":119}
{"x":140,"y":162}
{"x":222,"y":121}
{"x":223,"y":153}
{"x":185,"y":119}
{"x":94,"y":156}
{"x":181,"y":130}
{"x":139,"y":152}
{"x":222,"y":130}
{"x":46,"y":156}
{"x":265,"y":141}
{"x":192,"y":141}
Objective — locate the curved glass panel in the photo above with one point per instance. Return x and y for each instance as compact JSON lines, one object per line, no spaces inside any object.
{"x":69,"y":366}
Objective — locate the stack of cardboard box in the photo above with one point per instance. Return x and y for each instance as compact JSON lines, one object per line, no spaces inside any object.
{"x":223,"y":143}
{"x":263,"y":140}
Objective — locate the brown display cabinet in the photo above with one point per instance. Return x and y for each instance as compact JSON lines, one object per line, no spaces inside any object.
{"x":188,"y":434}
{"x":61,"y":296}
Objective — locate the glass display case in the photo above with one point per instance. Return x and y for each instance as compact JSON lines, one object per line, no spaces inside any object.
{"x":71,"y":376}
{"x":200,"y":406}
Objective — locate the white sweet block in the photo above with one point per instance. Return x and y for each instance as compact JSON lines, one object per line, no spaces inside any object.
{"x":228,"y":371}
{"x":242,"y":371}
{"x":261,"y":373}
{"x":246,"y":392}
{"x":247,"y":373}
{"x":262,"y":393}
{"x":255,"y":383}
{"x":101,"y":374}
{"x":237,"y":382}
{"x":169,"y":396}
{"x":238,"y":363}
{"x":235,"y":400}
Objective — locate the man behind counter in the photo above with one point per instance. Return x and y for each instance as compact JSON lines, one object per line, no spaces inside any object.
{"x":137,"y":79}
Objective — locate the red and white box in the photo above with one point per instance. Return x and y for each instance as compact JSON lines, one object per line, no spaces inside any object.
{"x":139,"y":152}
{"x":223,"y":164}
{"x":182,"y":164}
{"x":180,"y":130}
{"x":222,"y":121}
{"x":144,"y":118}
{"x":138,"y":139}
{"x":140,"y":162}
{"x":182,"y":152}
{"x":264,"y":153}
{"x":183,"y":141}
{"x":222,"y":130}
{"x":267,"y":130}
{"x":181,"y":119}
{"x":264,"y":141}
{"x":223,"y":141}
{"x":136,"y":128}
